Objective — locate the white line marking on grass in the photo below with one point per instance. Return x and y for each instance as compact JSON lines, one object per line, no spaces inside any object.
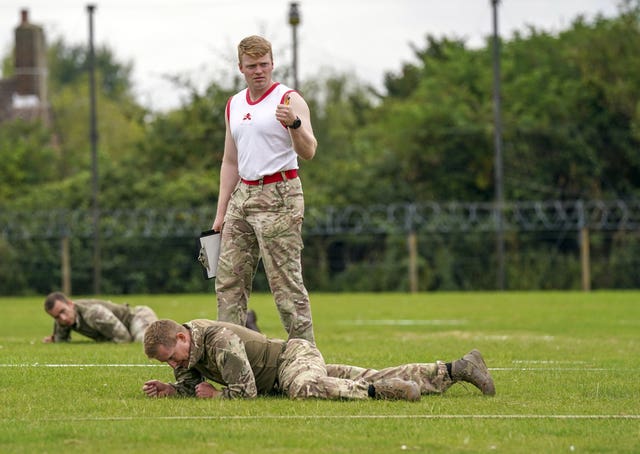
{"x":579,"y":366}
{"x":345,"y":417}
{"x":402,"y":322}
{"x":82,"y":365}
{"x":533,"y":361}
{"x":508,"y":369}
{"x":555,"y":369}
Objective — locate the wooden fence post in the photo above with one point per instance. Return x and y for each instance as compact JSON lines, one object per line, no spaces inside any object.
{"x":585,"y":261}
{"x":412,"y":241}
{"x":65,"y":259}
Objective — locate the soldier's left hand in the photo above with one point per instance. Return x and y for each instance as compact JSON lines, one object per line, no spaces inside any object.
{"x":285,"y":114}
{"x":206,"y":390}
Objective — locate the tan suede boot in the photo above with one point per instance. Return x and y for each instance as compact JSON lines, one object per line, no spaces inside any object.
{"x":472,"y":369}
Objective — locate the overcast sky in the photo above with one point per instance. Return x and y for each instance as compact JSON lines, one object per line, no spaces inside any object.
{"x":197,"y":38}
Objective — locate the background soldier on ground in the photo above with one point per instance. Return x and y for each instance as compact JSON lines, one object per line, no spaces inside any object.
{"x":102,"y":321}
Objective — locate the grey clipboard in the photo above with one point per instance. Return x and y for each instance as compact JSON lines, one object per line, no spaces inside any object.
{"x":209,"y":252}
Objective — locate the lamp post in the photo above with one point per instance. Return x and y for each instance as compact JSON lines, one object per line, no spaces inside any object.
{"x":497,"y":116}
{"x":93,"y":136}
{"x":294,"y":21}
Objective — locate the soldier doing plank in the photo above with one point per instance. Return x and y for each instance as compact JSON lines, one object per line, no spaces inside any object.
{"x":102,"y":321}
{"x":247,"y":364}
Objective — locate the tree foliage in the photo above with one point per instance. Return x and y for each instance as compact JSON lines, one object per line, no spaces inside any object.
{"x":26,"y":154}
{"x":571,"y":130}
{"x":68,"y":65}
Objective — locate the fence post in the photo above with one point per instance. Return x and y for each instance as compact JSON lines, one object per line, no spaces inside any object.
{"x":65,"y":262}
{"x":585,"y":259}
{"x":412,"y":242}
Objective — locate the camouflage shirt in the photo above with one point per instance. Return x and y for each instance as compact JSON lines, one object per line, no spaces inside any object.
{"x":242,"y":360}
{"x":99,"y":320}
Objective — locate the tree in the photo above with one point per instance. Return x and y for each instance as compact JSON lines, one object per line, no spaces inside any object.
{"x":432,"y":140}
{"x":68,"y":66}
{"x":26,"y":153}
{"x":340,"y":107}
{"x":573,"y":99}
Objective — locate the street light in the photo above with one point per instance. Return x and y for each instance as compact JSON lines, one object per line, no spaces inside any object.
{"x":294,"y":21}
{"x":93,"y":136}
{"x":497,"y":116}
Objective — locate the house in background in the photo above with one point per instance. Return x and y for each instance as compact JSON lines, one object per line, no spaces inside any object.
{"x":24,"y":95}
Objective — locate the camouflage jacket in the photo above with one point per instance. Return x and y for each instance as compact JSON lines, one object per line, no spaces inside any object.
{"x":99,"y":320}
{"x":242,"y":360}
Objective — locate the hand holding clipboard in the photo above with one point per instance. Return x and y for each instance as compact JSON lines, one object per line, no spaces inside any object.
{"x":209,"y":252}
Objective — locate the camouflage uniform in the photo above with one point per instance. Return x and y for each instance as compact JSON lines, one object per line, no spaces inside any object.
{"x":105,"y":321}
{"x":248,"y":364}
{"x":264,"y":220}
{"x":432,"y":378}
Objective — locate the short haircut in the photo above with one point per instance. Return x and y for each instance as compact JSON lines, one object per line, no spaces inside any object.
{"x":161,"y":333}
{"x":254,"y":46}
{"x":51,"y":299}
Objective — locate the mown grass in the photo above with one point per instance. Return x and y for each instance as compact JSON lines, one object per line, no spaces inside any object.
{"x":566,"y":368}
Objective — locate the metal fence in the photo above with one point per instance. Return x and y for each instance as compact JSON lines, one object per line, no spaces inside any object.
{"x":445,"y":217}
{"x":407,"y":247}
{"x":438,"y":217}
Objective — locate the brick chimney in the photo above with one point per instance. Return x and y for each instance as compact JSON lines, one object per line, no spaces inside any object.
{"x":30,"y":59}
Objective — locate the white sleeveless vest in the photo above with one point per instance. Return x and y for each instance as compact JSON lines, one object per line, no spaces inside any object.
{"x":263,"y":143}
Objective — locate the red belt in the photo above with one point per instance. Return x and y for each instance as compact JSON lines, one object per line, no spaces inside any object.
{"x":287,"y":174}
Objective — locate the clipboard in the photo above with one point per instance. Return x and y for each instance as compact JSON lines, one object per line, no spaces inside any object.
{"x":209,"y":252}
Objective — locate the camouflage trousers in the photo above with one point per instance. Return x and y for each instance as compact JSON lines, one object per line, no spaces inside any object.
{"x":143,"y":316}
{"x":432,"y":378}
{"x":264,"y":222}
{"x":302,"y":374}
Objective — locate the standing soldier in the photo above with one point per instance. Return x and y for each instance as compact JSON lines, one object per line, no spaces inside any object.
{"x":260,"y":202}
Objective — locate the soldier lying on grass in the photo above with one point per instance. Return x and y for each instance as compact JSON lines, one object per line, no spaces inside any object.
{"x":248,"y":364}
{"x":102,"y":321}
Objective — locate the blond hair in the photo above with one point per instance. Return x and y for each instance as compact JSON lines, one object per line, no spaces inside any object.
{"x":161,"y":333}
{"x":255,"y":47}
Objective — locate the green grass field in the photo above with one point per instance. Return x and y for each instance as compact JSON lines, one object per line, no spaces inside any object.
{"x":566,"y":367}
